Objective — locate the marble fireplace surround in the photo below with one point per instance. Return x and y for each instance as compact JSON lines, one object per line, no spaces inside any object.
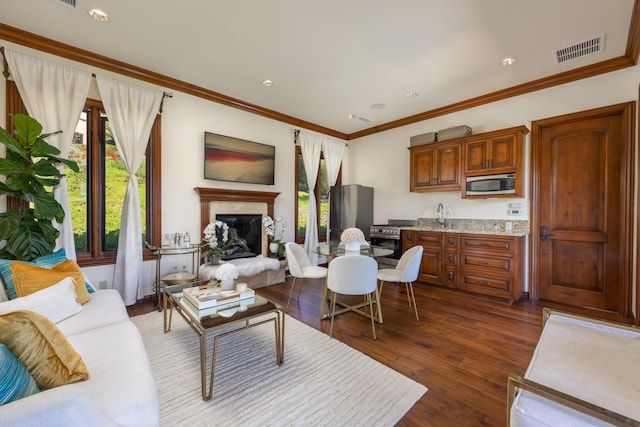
{"x":222,"y":201}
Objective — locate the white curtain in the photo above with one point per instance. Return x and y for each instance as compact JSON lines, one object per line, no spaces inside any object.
{"x":311,"y":146}
{"x":54,"y":95}
{"x":333,"y":152}
{"x":131,"y":111}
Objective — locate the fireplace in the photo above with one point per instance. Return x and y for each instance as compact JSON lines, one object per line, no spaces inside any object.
{"x":245,"y":235}
{"x":217,"y":201}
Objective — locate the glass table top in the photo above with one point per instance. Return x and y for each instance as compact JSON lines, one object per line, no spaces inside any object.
{"x":223,"y":312}
{"x":334,"y":249}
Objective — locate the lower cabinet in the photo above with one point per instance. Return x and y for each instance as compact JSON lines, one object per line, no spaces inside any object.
{"x":482,"y":264}
{"x":431,"y":267}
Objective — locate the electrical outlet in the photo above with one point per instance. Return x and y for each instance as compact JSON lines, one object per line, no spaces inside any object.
{"x":102,"y":284}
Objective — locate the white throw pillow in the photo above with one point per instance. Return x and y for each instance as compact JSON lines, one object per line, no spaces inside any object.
{"x":56,"y":302}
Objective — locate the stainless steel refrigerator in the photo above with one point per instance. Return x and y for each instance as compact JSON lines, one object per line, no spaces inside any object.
{"x":350,"y":206}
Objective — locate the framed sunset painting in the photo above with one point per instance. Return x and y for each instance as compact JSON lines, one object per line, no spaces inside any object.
{"x":232,"y":159}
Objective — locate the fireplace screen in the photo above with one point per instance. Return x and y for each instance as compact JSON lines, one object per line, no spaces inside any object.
{"x":245,"y":236}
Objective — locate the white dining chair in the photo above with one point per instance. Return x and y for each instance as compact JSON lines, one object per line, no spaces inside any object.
{"x":301,"y":268}
{"x":405,"y":272}
{"x":353,"y":275}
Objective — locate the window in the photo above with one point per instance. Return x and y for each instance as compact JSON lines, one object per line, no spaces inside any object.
{"x":96,"y":193}
{"x":321,"y":192}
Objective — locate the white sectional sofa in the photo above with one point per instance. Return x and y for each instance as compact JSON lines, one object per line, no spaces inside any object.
{"x":584,"y":372}
{"x":120,"y":391}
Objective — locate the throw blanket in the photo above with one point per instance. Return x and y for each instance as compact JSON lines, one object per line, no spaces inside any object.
{"x":246,"y":266}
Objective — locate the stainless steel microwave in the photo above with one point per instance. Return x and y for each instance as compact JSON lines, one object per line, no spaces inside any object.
{"x":488,"y":185}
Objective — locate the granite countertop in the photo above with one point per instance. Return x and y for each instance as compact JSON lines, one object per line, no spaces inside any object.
{"x":473,"y":226}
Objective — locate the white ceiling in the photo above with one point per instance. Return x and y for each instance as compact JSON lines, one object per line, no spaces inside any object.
{"x":332,"y":58}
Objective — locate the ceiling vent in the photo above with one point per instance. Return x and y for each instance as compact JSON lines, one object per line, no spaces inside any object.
{"x":365,"y":120}
{"x":579,"y":50}
{"x":71,"y":3}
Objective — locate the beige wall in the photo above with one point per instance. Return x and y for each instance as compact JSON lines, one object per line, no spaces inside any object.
{"x":380,"y":161}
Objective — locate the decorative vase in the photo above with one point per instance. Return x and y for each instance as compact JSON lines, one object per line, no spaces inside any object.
{"x":226,"y":284}
{"x":352,"y":246}
{"x":273,"y":248}
{"x":212,"y":258}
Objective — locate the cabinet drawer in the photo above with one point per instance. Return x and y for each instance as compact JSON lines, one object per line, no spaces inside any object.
{"x":451,"y":241}
{"x":409,"y":238}
{"x":487,"y":285}
{"x":451,"y":277}
{"x":429,"y":239}
{"x":484,"y":263}
{"x":493,"y":243}
{"x":451,"y":258}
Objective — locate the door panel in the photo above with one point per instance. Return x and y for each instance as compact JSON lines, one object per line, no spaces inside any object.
{"x":503,"y":152}
{"x":424,"y":173}
{"x":581,"y":210}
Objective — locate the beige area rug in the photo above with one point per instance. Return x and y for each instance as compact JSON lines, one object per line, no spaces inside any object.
{"x":322,"y":382}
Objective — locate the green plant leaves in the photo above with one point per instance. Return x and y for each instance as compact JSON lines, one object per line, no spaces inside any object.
{"x":31,"y":168}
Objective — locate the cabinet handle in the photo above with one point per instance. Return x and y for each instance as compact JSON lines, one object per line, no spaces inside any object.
{"x":451,"y":276}
{"x":544,"y":233}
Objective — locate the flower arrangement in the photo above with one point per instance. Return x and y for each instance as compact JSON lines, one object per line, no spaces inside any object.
{"x":215,"y":234}
{"x":227,"y":271}
{"x":352,"y":235}
{"x":271,"y":226}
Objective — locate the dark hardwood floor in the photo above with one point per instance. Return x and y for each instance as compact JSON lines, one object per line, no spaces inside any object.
{"x":462,"y":349}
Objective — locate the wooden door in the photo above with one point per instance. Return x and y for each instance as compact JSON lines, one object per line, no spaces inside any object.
{"x":448,"y":165}
{"x":582,"y":201}
{"x":503,"y":153}
{"x":477,"y":154}
{"x":422,"y":169}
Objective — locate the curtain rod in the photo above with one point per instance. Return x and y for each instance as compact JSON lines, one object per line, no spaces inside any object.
{"x":296,"y":137}
{"x":6,"y":73}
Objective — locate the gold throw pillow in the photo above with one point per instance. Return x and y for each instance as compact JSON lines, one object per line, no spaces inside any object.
{"x":38,"y":343}
{"x":29,"y":278}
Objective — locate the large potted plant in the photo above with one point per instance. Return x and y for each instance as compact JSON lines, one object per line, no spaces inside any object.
{"x":30,"y":168}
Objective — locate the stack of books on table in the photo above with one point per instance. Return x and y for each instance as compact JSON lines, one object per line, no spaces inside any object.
{"x":203,"y":297}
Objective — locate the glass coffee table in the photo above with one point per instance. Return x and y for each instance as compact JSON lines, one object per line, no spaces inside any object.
{"x":244,"y":314}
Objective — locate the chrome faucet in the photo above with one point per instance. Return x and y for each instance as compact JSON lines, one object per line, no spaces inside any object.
{"x":441,"y":214}
{"x":448,"y":219}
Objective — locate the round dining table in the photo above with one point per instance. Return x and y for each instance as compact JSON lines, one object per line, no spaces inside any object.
{"x":335,"y":249}
{"x":332,"y":250}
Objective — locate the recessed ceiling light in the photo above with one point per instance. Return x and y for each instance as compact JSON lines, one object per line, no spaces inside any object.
{"x":267,"y":83}
{"x":99,"y":15}
{"x":508,"y":61}
{"x":411,"y":95}
{"x":378,"y":106}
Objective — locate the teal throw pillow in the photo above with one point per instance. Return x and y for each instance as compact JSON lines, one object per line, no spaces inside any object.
{"x":47,"y":261}
{"x":15,"y":380}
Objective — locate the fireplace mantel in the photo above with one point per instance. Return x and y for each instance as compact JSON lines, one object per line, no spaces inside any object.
{"x":208,"y":195}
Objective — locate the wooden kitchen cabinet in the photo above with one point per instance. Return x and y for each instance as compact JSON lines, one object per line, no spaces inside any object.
{"x":451,"y":260}
{"x":492,"y":265}
{"x":494,"y":152}
{"x":436,"y":167}
{"x":432,"y":264}
{"x":481,"y":264}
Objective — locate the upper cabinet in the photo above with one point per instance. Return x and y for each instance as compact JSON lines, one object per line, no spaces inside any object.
{"x":494,"y":152}
{"x":436,"y":167}
{"x":444,"y":166}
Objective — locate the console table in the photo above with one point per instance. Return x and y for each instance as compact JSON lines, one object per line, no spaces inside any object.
{"x":163,"y":251}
